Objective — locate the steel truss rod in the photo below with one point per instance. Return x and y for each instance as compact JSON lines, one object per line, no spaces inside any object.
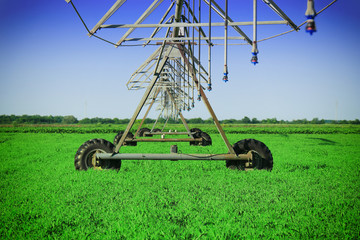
{"x":195,"y":20}
{"x":235,"y":26}
{"x":147,"y":112}
{"x":157,"y":29}
{"x":221,"y":13}
{"x":278,"y":35}
{"x":190,"y":52}
{"x":157,"y":119}
{"x":276,"y":9}
{"x":158,"y":69}
{"x":167,"y":119}
{"x":185,"y":68}
{"x":109,"y":13}
{"x":179,"y":39}
{"x":144,"y":68}
{"x":186,"y":24}
{"x":148,"y":11}
{"x":185,"y":125}
{"x":87,"y":29}
{"x":207,"y":103}
{"x":180,"y":114}
{"x":174,"y":67}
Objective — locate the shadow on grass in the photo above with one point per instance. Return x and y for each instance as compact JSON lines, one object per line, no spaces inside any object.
{"x":296,"y":167}
{"x":324,"y":141}
{"x":304,"y":167}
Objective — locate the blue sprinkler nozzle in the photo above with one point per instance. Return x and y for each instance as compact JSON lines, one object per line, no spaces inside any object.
{"x":310,"y":26}
{"x":199,"y":97}
{"x":225,"y":78}
{"x":209,"y":87}
{"x":254,"y":59}
{"x":310,"y":14}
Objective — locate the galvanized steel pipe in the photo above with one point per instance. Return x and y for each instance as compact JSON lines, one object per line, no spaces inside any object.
{"x":173,"y":156}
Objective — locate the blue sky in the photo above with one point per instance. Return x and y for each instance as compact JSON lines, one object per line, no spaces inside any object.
{"x":49,"y":66}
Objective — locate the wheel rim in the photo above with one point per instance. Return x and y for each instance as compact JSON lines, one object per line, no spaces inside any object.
{"x":93,"y":162}
{"x":257,"y":161}
{"x":261,"y":155}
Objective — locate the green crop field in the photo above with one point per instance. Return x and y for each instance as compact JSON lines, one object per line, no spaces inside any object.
{"x":313,"y":190}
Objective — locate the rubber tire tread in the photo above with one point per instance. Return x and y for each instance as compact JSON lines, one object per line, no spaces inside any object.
{"x":118,"y":137}
{"x":91,"y":145}
{"x":206,"y":139}
{"x":197,"y":134}
{"x":142,"y":131}
{"x":244,"y":146}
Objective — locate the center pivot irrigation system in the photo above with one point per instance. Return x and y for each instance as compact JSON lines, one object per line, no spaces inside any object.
{"x":173,"y":76}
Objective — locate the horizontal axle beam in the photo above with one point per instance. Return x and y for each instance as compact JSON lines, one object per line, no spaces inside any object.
{"x":167,"y":133}
{"x":165,"y":140}
{"x":164,"y":134}
{"x":174,"y":156}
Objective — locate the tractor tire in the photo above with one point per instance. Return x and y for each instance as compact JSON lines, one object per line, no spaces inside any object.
{"x":156,"y":130}
{"x":196,"y":134}
{"x":206,"y":139}
{"x":142,"y":132}
{"x":118,"y":137}
{"x":263,"y":161}
{"x":85,"y":156}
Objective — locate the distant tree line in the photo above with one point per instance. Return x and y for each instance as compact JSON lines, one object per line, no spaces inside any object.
{"x":37,"y":119}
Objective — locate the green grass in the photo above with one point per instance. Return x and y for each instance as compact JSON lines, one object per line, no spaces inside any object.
{"x":209,"y":128}
{"x":312,"y":192}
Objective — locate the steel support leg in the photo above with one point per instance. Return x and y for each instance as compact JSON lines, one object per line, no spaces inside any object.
{"x":206,"y":102}
{"x":180,"y":114}
{"x":147,"y":112}
{"x":156,"y":76}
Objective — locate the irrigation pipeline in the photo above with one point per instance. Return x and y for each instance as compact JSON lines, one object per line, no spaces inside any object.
{"x":217,"y":44}
{"x":278,"y":35}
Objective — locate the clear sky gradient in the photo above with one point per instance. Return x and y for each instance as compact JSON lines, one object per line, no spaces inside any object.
{"x":49,"y":66}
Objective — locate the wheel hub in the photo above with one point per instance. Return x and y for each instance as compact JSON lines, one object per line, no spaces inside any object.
{"x":95,"y":162}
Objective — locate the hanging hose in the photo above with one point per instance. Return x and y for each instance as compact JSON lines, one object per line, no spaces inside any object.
{"x":254,"y":51}
{"x":209,"y":53}
{"x":199,"y":61}
{"x":192,"y":57}
{"x":225,"y":78}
